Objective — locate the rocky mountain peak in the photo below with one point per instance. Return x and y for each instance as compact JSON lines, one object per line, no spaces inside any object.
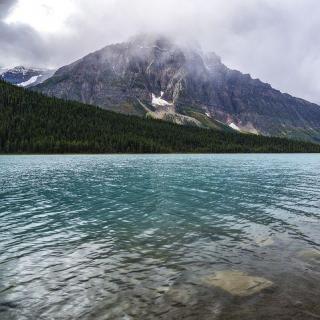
{"x":161,"y":77}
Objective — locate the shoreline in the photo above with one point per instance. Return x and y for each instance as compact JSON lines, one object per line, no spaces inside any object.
{"x":152,"y":154}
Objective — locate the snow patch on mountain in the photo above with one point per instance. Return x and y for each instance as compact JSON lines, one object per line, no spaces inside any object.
{"x":25,"y":77}
{"x":159,"y":102}
{"x":30,"y":81}
{"x":234,"y":127}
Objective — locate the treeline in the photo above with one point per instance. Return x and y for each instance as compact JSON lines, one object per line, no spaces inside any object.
{"x":33,"y":123}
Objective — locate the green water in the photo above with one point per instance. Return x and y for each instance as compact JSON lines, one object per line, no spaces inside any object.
{"x":133,"y":237}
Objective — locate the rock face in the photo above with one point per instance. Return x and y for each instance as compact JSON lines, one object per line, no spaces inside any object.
{"x":25,"y":77}
{"x":155,"y":76}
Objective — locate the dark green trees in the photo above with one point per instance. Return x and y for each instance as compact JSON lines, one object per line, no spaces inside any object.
{"x":33,"y":123}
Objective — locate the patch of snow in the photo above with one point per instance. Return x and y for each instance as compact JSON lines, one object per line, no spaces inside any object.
{"x":234,"y":126}
{"x":158,"y":101}
{"x":208,"y":114}
{"x":30,"y":81}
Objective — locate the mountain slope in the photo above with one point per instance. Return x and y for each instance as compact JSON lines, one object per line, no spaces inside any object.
{"x":154,"y":76}
{"x":25,"y":77}
{"x":33,"y":123}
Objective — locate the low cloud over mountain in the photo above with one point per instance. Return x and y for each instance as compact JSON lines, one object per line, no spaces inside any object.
{"x":273,"y":40}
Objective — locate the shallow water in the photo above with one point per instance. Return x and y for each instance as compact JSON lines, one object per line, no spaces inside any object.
{"x":136,"y":237}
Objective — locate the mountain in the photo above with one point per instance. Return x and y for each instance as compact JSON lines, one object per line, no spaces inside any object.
{"x":33,"y":123}
{"x":159,"y":78}
{"x":25,"y":77}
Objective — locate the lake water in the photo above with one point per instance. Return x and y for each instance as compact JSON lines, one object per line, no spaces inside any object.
{"x":148,"y":236}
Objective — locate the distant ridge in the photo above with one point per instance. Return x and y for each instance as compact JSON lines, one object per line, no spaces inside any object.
{"x":25,"y":77}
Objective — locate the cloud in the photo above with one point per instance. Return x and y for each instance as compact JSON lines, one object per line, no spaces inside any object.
{"x":18,"y":43}
{"x":274,"y":40}
{"x":5,"y":6}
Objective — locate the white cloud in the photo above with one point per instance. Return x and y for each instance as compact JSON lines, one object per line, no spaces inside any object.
{"x":274,"y":40}
{"x":44,"y":16}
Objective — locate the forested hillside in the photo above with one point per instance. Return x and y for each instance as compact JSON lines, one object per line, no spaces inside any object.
{"x":33,"y":123}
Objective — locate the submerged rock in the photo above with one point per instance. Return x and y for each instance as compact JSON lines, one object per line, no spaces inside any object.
{"x":237,"y":283}
{"x":183,"y":294}
{"x":264,"y":242}
{"x":312,"y":256}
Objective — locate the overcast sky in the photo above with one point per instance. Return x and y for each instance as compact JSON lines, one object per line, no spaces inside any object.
{"x":276,"y":41}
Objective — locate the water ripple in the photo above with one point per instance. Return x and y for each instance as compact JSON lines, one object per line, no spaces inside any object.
{"x":108,"y":237}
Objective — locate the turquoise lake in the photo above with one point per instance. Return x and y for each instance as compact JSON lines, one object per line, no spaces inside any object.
{"x":146,"y":236}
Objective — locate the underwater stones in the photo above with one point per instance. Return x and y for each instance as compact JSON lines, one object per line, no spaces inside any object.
{"x":264,"y":242}
{"x":237,"y":283}
{"x":312,"y":256}
{"x":162,"y":289}
{"x":183,"y":294}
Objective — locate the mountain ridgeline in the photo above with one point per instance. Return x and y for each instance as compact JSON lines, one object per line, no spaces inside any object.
{"x":33,"y":123}
{"x":25,"y":77}
{"x":156,"y":77}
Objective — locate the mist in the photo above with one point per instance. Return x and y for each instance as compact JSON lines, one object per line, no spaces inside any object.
{"x":273,"y":40}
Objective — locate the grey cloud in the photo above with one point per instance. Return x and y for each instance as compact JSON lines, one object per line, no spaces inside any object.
{"x":5,"y":6}
{"x":274,"y":40}
{"x":20,"y":45}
